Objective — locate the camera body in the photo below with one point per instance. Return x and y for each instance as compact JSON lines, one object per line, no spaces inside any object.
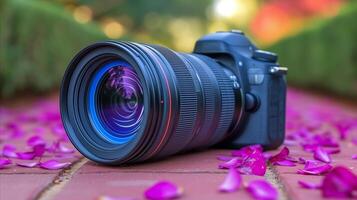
{"x":258,"y":79}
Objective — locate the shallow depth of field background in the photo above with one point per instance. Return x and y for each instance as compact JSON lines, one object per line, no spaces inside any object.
{"x":316,"y":40}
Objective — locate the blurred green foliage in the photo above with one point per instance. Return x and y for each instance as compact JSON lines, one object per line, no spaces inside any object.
{"x":324,"y":56}
{"x":37,"y":41}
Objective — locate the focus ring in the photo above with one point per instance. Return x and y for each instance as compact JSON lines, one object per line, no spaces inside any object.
{"x":187,"y":103}
{"x":227,"y":99}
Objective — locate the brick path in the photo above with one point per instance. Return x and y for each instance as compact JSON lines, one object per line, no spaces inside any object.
{"x":196,"y":172}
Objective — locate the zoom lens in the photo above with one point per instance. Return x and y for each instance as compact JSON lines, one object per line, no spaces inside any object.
{"x":124,"y":102}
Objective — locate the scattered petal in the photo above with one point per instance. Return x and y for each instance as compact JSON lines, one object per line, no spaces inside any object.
{"x":35,"y":140}
{"x":54,"y":164}
{"x":163,"y":190}
{"x":39,"y":149}
{"x":232,"y":181}
{"x":309,"y":185}
{"x":315,"y":170}
{"x":354,"y":156}
{"x":281,"y":156}
{"x":262,"y":190}
{"x":105,"y":197}
{"x":254,"y":164}
{"x":9,"y":151}
{"x":340,"y":182}
{"x":233,"y":162}
{"x":26,"y":155}
{"x":4,"y":163}
{"x":27,"y":164}
{"x":287,"y":163}
{"x":321,"y":155}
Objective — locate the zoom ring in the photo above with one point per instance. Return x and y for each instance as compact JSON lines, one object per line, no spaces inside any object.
{"x":187,"y":103}
{"x":227,"y":100}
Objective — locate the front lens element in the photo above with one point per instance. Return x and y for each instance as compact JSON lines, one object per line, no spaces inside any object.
{"x":116,"y":102}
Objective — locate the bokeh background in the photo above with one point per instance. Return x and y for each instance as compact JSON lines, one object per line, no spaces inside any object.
{"x":315,"y":39}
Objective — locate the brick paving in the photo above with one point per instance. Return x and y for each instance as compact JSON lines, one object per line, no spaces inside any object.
{"x":196,"y":172}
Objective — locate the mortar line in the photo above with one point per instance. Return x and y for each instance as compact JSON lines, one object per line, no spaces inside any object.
{"x":272,"y":176}
{"x":61,"y":180}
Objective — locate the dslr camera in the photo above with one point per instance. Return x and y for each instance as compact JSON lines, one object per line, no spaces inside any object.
{"x":124,"y":102}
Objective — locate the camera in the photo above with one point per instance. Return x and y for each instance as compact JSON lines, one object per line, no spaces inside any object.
{"x":124,"y":102}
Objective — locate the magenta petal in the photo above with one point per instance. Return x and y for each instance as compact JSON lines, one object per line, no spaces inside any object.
{"x":232,"y":181}
{"x":4,"y":163}
{"x":262,"y":190}
{"x":340,"y":182}
{"x":254,"y":164}
{"x":27,"y":164}
{"x":63,"y":149}
{"x":9,"y":151}
{"x":39,"y":149}
{"x":163,"y":190}
{"x":322,"y":155}
{"x":35,"y":140}
{"x":281,"y":156}
{"x":315,"y":170}
{"x":233,"y":162}
{"x":26,"y":155}
{"x":309,"y":185}
{"x":105,"y":197}
{"x":54,"y":164}
{"x":354,"y":156}
{"x":285,"y":163}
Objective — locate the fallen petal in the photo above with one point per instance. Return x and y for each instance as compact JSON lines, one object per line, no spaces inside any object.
{"x":321,"y":155}
{"x":287,"y":163}
{"x":281,"y":156}
{"x":232,"y":181}
{"x":340,"y":182}
{"x":163,"y":190}
{"x":233,"y":162}
{"x":26,"y":155}
{"x":105,"y":197}
{"x":262,"y":190}
{"x":9,"y":151}
{"x":27,"y":164}
{"x":53,"y":165}
{"x":315,"y":170}
{"x":35,"y":140}
{"x":354,"y":156}
{"x":309,"y":185}
{"x":4,"y":163}
{"x":39,"y":149}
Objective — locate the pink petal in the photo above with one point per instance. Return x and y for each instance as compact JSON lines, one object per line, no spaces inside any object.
{"x":39,"y":149}
{"x":315,"y":170}
{"x":27,"y":164}
{"x":322,"y":155}
{"x":163,"y":190}
{"x":35,"y":140}
{"x":232,"y":181}
{"x":254,"y":164}
{"x":53,"y":164}
{"x":26,"y":155}
{"x":9,"y":151}
{"x":223,"y":158}
{"x":4,"y":163}
{"x":281,"y":156}
{"x":340,"y":182}
{"x":262,"y":190}
{"x":233,"y":162}
{"x":285,"y":163}
{"x":354,"y":156}
{"x":105,"y":197}
{"x":63,"y":149}
{"x":333,"y":151}
{"x":309,"y":185}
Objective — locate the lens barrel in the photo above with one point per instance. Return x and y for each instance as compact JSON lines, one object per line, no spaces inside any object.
{"x":123,"y":102}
